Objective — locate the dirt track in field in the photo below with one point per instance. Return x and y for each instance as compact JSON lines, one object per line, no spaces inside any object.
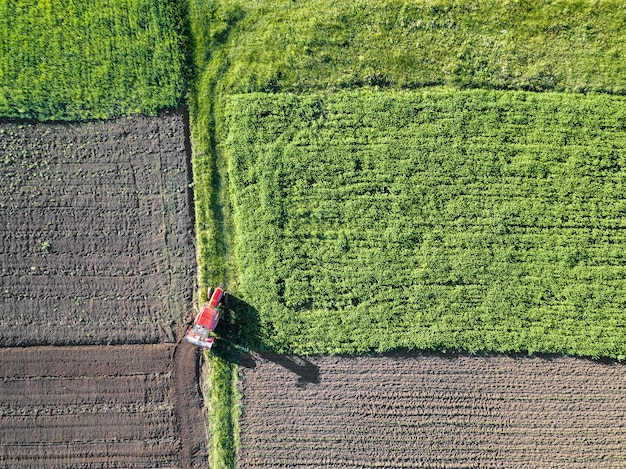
{"x":432,"y":411}
{"x":126,"y":406}
{"x":96,"y":239}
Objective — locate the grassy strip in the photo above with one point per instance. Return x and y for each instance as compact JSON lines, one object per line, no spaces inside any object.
{"x":211,"y":201}
{"x":211,"y":205}
{"x":281,"y":45}
{"x":88,"y":59}
{"x":223,"y":412}
{"x":451,"y":220}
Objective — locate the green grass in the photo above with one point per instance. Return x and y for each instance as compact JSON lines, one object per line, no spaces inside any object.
{"x":280,"y":46}
{"x":85,"y":59}
{"x":540,"y":45}
{"x":223,"y":412}
{"x":259,"y":46}
{"x":250,"y":46}
{"x":449,"y":220}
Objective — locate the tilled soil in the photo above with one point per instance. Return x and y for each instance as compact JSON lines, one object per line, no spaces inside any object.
{"x":432,"y":411}
{"x":96,"y":248}
{"x":96,"y":239}
{"x":126,"y":406}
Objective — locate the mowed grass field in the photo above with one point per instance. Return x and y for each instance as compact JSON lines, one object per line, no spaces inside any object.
{"x":281,"y":45}
{"x":90,"y":59}
{"x":441,"y":219}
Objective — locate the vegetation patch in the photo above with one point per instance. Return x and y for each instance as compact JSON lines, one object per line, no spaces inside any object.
{"x":223,"y":412}
{"x":282,"y":45}
{"x":240,"y":47}
{"x":84,"y":59}
{"x":450,"y":220}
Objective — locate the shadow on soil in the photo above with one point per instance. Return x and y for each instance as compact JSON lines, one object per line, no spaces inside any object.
{"x":306,"y":372}
{"x":240,"y":324}
{"x":455,"y":355}
{"x":240,"y":319}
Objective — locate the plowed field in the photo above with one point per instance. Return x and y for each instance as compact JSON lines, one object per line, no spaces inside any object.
{"x":101,"y":407}
{"x":96,"y":247}
{"x":432,"y":411}
{"x":96,"y":242}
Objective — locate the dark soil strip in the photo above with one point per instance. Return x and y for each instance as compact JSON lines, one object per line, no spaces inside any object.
{"x":191,"y":411}
{"x":135,"y":406}
{"x":432,"y":411}
{"x":73,"y":362}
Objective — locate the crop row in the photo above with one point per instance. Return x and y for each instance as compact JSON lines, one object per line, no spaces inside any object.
{"x":475,"y":220}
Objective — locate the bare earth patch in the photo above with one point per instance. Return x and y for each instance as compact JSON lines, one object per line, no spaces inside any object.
{"x":96,"y":248}
{"x":126,"y":406}
{"x":96,"y":240}
{"x":402,"y":411}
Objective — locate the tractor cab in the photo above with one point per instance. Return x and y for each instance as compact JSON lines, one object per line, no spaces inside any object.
{"x":199,"y":333}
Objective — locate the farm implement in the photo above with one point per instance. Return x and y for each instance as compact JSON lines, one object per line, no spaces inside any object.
{"x":199,"y":333}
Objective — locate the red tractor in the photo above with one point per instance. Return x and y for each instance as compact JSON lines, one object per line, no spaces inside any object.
{"x":200,"y":332}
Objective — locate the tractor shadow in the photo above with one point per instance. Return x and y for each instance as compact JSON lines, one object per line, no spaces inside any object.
{"x":237,"y":329}
{"x":304,"y":370}
{"x":238,"y":336}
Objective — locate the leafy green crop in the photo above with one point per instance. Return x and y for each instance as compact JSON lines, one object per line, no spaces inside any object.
{"x":282,"y":45}
{"x":81,"y":59}
{"x":472,"y":220}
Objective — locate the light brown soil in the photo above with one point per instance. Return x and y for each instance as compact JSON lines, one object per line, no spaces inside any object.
{"x":135,"y":406}
{"x":432,"y":411}
{"x":96,"y":240}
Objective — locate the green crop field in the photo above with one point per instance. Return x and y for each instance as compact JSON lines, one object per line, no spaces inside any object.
{"x":443,"y":219}
{"x":302,"y":47}
{"x":83,"y":59}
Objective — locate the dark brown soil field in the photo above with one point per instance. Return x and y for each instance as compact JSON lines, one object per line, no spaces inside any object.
{"x":135,"y":406}
{"x":96,"y":240}
{"x":432,"y":411}
{"x":96,"y":247}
